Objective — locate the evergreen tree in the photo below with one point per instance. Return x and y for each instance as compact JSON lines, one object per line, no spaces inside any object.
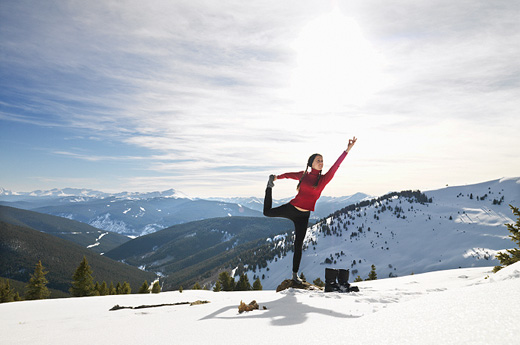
{"x":302,"y":277}
{"x":6,"y":292}
{"x":226,"y":281}
{"x":512,"y":255}
{"x":196,"y":286}
{"x":257,"y":285}
{"x":82,"y":283}
{"x":37,"y":286}
{"x":243,"y":283}
{"x":358,"y":279}
{"x":144,"y":288}
{"x":126,"y":289}
{"x":372,"y":275}
{"x":181,"y":289}
{"x":218,"y":287}
{"x":103,"y":289}
{"x":111,"y":289}
{"x":96,"y":292}
{"x":156,"y":288}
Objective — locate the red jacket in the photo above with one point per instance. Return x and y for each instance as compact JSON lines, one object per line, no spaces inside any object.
{"x":308,"y":195}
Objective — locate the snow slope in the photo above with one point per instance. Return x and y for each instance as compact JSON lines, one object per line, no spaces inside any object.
{"x":463,"y":226}
{"x":461,"y":306}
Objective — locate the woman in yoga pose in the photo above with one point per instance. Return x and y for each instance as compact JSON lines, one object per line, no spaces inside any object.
{"x":310,"y":186}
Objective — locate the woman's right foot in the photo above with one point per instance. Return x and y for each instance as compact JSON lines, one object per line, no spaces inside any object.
{"x":270,"y":183}
{"x":296,"y":279}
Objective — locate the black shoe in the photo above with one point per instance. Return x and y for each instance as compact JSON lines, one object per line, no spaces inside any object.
{"x":270,"y":183}
{"x":344,"y":286}
{"x":331,"y":284}
{"x":296,"y":279}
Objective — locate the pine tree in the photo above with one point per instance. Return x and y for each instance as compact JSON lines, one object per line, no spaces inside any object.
{"x":226,"y":281}
{"x":358,"y":279}
{"x":243,"y":283}
{"x":111,"y":289}
{"x":218,"y":287}
{"x":103,"y":289}
{"x":96,"y":291}
{"x":82,"y":284}
{"x":6,"y":292}
{"x":37,"y":286}
{"x":181,"y":289}
{"x":144,"y":288}
{"x":156,"y":288}
{"x":512,"y":255}
{"x":196,"y":286}
{"x":257,"y":285}
{"x":119,"y":288}
{"x":302,"y":277}
{"x":126,"y":289}
{"x":372,"y":275}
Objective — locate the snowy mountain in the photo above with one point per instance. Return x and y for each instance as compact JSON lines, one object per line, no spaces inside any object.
{"x":137,"y":214}
{"x":7,"y":195}
{"x":401,"y":234}
{"x":129,"y":214}
{"x":325,"y":205}
{"x":75,"y":195}
{"x":461,"y":306}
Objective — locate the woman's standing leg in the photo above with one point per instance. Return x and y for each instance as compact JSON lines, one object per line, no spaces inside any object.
{"x":300,"y":229}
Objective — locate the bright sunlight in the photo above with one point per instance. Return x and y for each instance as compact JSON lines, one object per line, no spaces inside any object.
{"x":336,"y":65}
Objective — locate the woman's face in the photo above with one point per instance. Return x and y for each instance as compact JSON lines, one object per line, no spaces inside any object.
{"x":318,"y":163}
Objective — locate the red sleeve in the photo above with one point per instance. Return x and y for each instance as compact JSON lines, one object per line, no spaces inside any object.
{"x":330,"y":174}
{"x":291,"y":175}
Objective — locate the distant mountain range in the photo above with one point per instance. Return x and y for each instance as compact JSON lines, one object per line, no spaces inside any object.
{"x":401,"y":233}
{"x":137,"y":214}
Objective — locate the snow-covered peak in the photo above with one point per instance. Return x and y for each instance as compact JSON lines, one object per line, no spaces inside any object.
{"x":170,"y":193}
{"x":404,"y":233}
{"x":89,"y":193}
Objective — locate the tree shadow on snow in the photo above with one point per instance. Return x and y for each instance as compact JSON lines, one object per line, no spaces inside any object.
{"x":282,"y":312}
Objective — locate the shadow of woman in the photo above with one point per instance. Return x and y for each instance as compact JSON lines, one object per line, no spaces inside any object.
{"x":282,"y":312}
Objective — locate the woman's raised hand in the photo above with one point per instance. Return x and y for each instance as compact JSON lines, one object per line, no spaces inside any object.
{"x":351,"y":143}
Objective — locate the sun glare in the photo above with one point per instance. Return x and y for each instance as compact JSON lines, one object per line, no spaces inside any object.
{"x":336,"y":65}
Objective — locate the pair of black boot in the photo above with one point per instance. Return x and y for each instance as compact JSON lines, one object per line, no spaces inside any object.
{"x":336,"y":280}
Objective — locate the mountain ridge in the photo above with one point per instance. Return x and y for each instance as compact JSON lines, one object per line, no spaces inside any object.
{"x":460,"y":226}
{"x":137,"y":214}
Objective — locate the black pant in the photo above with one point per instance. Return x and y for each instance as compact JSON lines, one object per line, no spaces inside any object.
{"x":299,"y":218}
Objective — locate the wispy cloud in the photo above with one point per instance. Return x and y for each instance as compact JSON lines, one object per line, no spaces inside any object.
{"x":201,"y":88}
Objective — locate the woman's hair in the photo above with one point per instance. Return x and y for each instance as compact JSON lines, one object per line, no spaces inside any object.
{"x":309,"y":164}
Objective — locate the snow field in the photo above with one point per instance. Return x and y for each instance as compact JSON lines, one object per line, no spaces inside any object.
{"x":461,"y":306}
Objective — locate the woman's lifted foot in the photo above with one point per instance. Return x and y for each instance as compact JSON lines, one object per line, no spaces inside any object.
{"x":270,"y":183}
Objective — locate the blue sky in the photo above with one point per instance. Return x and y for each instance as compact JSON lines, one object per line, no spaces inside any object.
{"x":211,"y":97}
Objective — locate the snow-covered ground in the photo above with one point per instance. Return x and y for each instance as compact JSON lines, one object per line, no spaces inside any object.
{"x":461,"y":306}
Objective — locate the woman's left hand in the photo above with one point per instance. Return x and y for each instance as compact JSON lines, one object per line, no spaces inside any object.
{"x":351,"y":143}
